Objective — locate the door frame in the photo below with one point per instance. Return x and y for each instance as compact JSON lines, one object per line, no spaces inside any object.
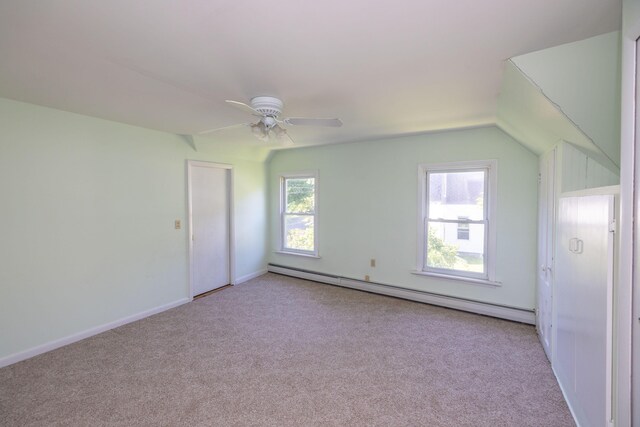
{"x":628,"y":327}
{"x":231,"y":243}
{"x":628,"y":299}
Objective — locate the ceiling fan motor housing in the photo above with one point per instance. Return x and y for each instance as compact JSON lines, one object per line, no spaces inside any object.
{"x":267,"y":105}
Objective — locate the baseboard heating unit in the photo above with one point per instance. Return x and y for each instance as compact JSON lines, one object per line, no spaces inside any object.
{"x":494,"y":310}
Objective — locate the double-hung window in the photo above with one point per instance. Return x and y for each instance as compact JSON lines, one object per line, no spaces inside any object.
{"x":298,"y":207}
{"x":457,"y":219}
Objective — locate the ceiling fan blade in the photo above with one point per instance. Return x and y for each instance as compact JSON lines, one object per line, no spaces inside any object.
{"x":306,"y":121}
{"x":204,"y":132}
{"x":244,"y":107}
{"x":286,"y":140}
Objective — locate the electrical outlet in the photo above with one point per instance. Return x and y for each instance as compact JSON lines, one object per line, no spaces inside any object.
{"x":367,"y":278}
{"x":177,"y":224}
{"x":373,"y":262}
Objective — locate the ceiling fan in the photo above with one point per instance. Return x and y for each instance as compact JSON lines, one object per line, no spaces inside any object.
{"x":268,"y":109}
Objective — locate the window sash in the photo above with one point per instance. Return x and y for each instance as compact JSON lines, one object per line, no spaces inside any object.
{"x":457,"y":221}
{"x":426,"y":267}
{"x":484,"y":221}
{"x":284,"y":234}
{"x":299,"y":212}
{"x":284,"y":213}
{"x":486,"y":195}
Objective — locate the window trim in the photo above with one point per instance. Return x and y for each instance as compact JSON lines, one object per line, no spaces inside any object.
{"x":490,"y":202}
{"x":281,"y":238}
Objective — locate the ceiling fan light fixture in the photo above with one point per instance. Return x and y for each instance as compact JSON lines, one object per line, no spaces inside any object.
{"x":278,"y":131}
{"x":260,"y":131}
{"x":282,"y":135}
{"x":269,"y":122}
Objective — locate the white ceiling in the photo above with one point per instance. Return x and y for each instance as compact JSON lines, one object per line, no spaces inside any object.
{"x":383,"y":67}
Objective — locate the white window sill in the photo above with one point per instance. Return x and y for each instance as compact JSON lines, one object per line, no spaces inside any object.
{"x":297,"y":254}
{"x":457,"y":278}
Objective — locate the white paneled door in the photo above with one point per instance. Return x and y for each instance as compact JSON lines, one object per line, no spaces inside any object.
{"x":582,"y":352}
{"x":210,"y":205}
{"x":546,"y":224}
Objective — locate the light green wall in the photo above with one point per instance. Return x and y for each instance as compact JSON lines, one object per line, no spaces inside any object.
{"x":583,"y":80}
{"x":368,"y":205}
{"x":87,"y":215}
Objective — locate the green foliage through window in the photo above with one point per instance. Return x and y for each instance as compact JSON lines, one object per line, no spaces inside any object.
{"x":439,"y":253}
{"x":301,"y":238}
{"x":300,"y":195}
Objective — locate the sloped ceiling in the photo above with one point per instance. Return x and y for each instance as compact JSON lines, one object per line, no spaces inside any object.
{"x":531,"y":118}
{"x":582,"y":79}
{"x":385,"y":68}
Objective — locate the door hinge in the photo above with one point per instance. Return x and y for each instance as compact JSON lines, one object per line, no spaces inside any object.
{"x":612,"y":226}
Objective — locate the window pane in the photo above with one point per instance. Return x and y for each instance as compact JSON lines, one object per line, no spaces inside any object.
{"x":298,"y":232}
{"x":456,"y":194}
{"x":300,"y":194}
{"x":446,"y":250}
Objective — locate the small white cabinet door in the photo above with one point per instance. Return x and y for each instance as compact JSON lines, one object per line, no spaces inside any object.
{"x":583,"y":306}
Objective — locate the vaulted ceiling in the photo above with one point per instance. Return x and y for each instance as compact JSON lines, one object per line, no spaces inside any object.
{"x":385,"y":68}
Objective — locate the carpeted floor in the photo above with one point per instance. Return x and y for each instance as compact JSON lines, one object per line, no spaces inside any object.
{"x":279,"y":351}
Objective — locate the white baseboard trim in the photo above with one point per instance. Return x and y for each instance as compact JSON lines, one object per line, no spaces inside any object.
{"x":52,"y":345}
{"x":250,"y":276}
{"x":478,"y":307}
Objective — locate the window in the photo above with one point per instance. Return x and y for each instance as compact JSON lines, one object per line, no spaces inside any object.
{"x":298,"y":206}
{"x":457,"y":232}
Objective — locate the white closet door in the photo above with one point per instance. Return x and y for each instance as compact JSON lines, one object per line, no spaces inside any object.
{"x":546,"y":224}
{"x":210,"y":203}
{"x":583,"y":295}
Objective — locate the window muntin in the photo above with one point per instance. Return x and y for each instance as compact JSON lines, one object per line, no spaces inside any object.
{"x":456,"y":230}
{"x":298,"y":212}
{"x":456,"y":193}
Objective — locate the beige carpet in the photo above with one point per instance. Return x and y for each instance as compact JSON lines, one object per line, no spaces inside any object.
{"x":278,"y":351}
